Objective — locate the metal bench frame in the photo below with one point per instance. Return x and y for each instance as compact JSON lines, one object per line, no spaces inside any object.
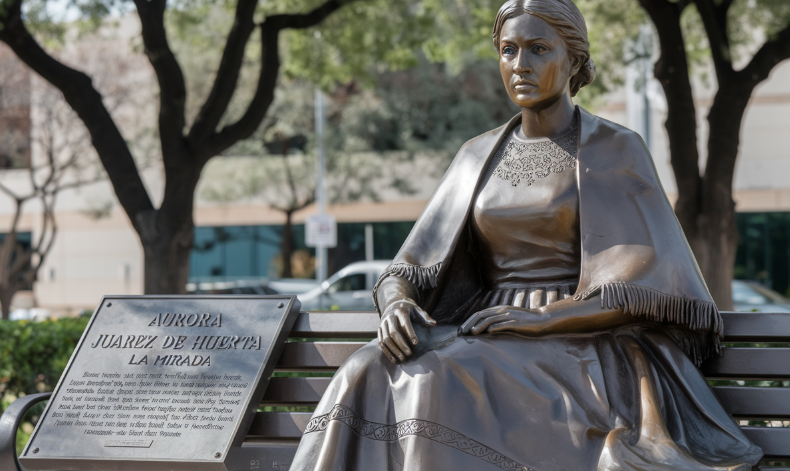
{"x":322,"y":341}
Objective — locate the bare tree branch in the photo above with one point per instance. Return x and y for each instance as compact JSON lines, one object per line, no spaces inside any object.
{"x":672,"y":71}
{"x":172,"y":88}
{"x":87,"y":103}
{"x":264,"y":95}
{"x":714,"y":18}
{"x":227,"y":75}
{"x":771,"y":53}
{"x":303,"y":20}
{"x":270,"y":65}
{"x":8,"y":192}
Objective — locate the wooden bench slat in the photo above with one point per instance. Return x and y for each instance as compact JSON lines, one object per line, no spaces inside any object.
{"x":295,"y":391}
{"x":312,"y":356}
{"x":775,"y":441}
{"x":756,"y":326}
{"x":750,"y":363}
{"x":771,"y":403}
{"x":264,"y":455}
{"x":336,"y":324}
{"x":279,"y":424}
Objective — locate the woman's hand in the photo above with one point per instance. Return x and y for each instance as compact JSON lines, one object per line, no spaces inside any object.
{"x":506,"y":319}
{"x":395,"y":328}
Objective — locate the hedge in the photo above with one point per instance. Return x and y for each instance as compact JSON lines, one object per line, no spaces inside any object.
{"x":33,"y":355}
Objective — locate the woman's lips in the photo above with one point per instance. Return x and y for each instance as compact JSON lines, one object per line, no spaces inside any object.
{"x":521,"y":86}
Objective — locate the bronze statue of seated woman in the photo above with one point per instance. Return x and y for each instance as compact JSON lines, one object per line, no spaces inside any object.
{"x":546,"y":312}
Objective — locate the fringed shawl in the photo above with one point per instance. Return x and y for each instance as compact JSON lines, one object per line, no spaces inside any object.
{"x":634,"y":253}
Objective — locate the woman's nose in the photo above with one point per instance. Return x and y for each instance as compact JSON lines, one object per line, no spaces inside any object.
{"x":522,"y":66}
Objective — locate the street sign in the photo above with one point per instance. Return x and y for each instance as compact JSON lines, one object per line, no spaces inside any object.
{"x":321,"y":231}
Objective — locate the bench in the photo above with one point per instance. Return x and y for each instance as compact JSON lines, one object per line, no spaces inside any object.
{"x":321,"y":341}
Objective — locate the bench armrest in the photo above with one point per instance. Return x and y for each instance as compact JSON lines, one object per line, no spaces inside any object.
{"x":9,"y":423}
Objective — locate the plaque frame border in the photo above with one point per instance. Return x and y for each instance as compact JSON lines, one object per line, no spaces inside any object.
{"x":232,"y":449}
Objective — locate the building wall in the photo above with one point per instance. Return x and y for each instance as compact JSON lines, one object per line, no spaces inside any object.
{"x":761,"y":182}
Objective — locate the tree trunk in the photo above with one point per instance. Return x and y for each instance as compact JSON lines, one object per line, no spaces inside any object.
{"x":167,"y":234}
{"x":167,"y":262}
{"x":717,"y":230}
{"x":717,"y":242}
{"x":704,"y":205}
{"x":6,"y":295}
{"x":287,"y":245}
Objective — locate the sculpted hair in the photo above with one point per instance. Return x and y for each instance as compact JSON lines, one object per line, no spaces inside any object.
{"x":569,"y":23}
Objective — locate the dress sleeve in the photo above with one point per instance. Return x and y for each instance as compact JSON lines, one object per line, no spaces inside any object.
{"x":392,"y":288}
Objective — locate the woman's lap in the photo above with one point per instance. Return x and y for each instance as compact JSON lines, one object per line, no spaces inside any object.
{"x":509,"y":402}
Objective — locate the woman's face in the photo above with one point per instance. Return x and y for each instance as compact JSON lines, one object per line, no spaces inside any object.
{"x":534,"y":62}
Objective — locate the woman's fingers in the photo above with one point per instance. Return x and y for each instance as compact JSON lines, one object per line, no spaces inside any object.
{"x":470,"y":322}
{"x":384,"y":349}
{"x":399,"y":340}
{"x":396,"y":333}
{"x":387,"y":340}
{"x":475,"y":318}
{"x":481,"y":326}
{"x":389,"y":330}
{"x":405,"y":324}
{"x":501,"y":327}
{"x":424,"y":318}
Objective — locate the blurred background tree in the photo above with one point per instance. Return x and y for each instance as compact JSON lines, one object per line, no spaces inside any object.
{"x":743,"y":40}
{"x":166,"y":232}
{"x":52,"y":154}
{"x":408,"y":76}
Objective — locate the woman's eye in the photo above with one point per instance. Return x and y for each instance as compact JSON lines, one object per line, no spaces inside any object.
{"x":508,"y":50}
{"x":539,"y":49}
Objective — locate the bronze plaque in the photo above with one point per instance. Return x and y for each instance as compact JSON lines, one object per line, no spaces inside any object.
{"x":162,"y":383}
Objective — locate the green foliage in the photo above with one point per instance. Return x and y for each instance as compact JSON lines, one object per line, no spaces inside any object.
{"x":366,"y":38}
{"x":614,"y":30}
{"x":49,"y":29}
{"x":428,"y":108}
{"x":748,"y":20}
{"x":33,"y":355}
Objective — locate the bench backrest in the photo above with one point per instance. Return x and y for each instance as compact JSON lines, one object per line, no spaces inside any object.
{"x":767,"y":363}
{"x":321,"y":342}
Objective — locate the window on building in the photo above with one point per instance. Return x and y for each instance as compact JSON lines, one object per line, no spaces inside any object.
{"x":764,"y":249}
{"x":227,"y":253}
{"x":23,"y":242}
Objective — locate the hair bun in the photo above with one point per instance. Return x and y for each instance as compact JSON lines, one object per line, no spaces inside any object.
{"x":583,"y":77}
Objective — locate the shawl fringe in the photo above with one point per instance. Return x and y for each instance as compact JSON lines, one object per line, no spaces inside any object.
{"x":702,"y":318}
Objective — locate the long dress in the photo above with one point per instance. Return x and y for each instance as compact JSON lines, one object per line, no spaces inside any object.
{"x":623,"y":399}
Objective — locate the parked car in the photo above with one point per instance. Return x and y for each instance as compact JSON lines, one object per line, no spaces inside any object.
{"x":350,"y":289}
{"x":259,"y":287}
{"x":253,"y":286}
{"x":293,"y":285}
{"x":33,"y":314}
{"x":750,"y":296}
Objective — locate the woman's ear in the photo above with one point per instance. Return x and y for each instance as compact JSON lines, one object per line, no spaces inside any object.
{"x":576,"y":65}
